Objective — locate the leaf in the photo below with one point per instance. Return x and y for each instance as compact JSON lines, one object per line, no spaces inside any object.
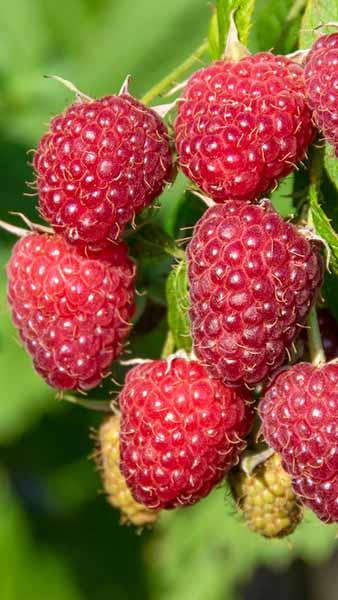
{"x":317,"y":12}
{"x":325,"y":230}
{"x":178,"y":306}
{"x":274,"y":25}
{"x":243,"y":12}
{"x":210,"y":540}
{"x":331,"y":164}
{"x":152,"y":242}
{"x":213,"y":37}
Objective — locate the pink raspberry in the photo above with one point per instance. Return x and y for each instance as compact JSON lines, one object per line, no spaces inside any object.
{"x":300,"y":421}
{"x":321,"y":85}
{"x":242,"y":126}
{"x":100,"y":164}
{"x":72,"y":307}
{"x":253,"y":279}
{"x":181,"y":431}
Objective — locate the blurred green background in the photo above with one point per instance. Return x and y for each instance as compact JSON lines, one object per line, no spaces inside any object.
{"x":58,"y":537}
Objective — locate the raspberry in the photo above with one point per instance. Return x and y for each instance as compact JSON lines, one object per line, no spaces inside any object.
{"x":300,"y":420}
{"x":114,"y":483}
{"x":100,"y":164}
{"x":242,"y":126}
{"x":253,"y":279}
{"x":269,"y":505}
{"x":181,"y":431}
{"x":72,"y":307}
{"x":321,"y":85}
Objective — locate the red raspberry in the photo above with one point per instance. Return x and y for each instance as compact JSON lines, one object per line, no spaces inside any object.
{"x":100,"y":164}
{"x":321,"y":85}
{"x":72,"y":308}
{"x":181,"y":431}
{"x":253,"y":279}
{"x":242,"y":126}
{"x":300,"y":420}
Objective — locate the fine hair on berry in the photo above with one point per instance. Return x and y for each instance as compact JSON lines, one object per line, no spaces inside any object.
{"x":321,"y":86}
{"x":181,"y":431}
{"x":299,"y":413}
{"x":72,"y":307}
{"x":253,"y":279}
{"x":241,"y":126}
{"x":99,"y":165}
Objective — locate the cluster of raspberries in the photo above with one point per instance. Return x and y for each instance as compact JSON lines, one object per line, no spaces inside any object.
{"x":253,"y":278}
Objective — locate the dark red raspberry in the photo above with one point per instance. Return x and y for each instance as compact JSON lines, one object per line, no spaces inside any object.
{"x":321,"y":85}
{"x":300,"y":420}
{"x":100,"y":164}
{"x":181,"y":431}
{"x":72,"y":308}
{"x":242,"y":126}
{"x":253,"y":279}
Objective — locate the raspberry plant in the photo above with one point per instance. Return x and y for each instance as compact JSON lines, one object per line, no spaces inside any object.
{"x":227,"y":280}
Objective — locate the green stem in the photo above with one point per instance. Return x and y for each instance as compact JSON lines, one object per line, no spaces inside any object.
{"x":317,"y":353}
{"x":169,"y":345}
{"x":316,"y":349}
{"x":175,"y":75}
{"x":101,"y":406}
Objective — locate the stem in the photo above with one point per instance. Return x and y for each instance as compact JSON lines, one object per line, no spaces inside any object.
{"x":101,"y":406}
{"x":175,"y":75}
{"x":316,"y":349}
{"x":317,"y":353}
{"x":169,"y":345}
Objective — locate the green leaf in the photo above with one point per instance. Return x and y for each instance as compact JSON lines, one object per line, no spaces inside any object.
{"x":331,"y":164}
{"x":152,"y":242}
{"x":317,"y":12}
{"x":275,"y":25}
{"x":213,"y":37}
{"x":243,"y":12}
{"x":178,"y":306}
{"x":325,"y":230}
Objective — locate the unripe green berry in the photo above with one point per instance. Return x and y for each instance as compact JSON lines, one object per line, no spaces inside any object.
{"x":266,"y":498}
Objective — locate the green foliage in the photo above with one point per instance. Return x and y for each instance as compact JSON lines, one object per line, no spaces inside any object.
{"x":220,"y":21}
{"x":58,"y":539}
{"x":178,"y":305}
{"x":317,"y":12}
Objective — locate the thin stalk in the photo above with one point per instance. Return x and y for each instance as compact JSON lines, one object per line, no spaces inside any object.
{"x":102,"y":406}
{"x":169,"y":345}
{"x":175,"y":75}
{"x":316,"y":349}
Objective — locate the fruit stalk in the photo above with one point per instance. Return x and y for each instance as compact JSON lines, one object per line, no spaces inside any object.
{"x":175,"y":75}
{"x":316,"y":349}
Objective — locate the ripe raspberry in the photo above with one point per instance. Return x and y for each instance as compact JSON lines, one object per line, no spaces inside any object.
{"x":181,"y":431}
{"x":300,"y":420}
{"x":114,"y":483}
{"x":242,"y":126}
{"x":321,"y":85}
{"x":72,"y":307}
{"x":253,"y":279}
{"x":100,"y":164}
{"x":267,"y":500}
